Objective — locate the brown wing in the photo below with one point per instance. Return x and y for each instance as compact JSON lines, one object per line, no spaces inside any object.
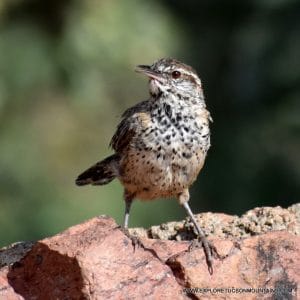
{"x":122,"y":136}
{"x":128,"y":127}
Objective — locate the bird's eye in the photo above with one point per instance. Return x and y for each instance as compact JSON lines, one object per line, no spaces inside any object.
{"x":176,"y":74}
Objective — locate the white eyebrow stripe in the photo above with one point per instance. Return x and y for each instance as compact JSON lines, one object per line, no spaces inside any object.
{"x":163,"y":68}
{"x":197,"y":79}
{"x":190,"y":73}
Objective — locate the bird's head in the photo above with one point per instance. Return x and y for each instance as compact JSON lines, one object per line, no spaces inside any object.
{"x":168,"y":75}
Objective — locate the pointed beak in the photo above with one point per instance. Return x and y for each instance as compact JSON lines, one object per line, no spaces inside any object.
{"x":146,"y":70}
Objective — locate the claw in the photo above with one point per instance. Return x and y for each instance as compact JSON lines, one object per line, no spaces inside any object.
{"x":136,"y":242}
{"x":209,"y":249}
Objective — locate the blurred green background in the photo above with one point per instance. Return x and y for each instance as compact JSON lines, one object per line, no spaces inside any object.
{"x":66,"y":75}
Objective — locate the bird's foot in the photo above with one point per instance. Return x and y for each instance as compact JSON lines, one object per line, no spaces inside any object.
{"x":136,"y":242}
{"x":209,"y":249}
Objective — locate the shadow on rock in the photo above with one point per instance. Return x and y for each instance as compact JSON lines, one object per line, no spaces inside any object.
{"x":46,"y":274}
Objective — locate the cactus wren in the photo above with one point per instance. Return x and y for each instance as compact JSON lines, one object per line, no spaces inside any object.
{"x":160,"y":144}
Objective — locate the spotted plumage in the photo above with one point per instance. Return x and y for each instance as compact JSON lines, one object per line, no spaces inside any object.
{"x":160,"y":144}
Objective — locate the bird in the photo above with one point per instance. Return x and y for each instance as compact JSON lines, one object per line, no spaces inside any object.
{"x":160,"y":144}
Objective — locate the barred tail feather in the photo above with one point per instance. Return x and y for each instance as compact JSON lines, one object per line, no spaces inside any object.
{"x":101,"y":173}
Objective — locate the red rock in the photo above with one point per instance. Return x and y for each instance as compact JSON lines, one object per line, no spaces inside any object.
{"x":270,"y":260}
{"x":93,"y":260}
{"x":96,"y":260}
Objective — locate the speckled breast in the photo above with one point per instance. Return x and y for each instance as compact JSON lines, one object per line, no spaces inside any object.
{"x":167,"y":154}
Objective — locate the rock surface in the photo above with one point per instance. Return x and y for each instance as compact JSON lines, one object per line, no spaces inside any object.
{"x":97,"y":260}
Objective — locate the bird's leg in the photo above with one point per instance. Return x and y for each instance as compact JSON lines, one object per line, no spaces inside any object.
{"x":128,"y":198}
{"x":208,"y":249}
{"x":128,"y":202}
